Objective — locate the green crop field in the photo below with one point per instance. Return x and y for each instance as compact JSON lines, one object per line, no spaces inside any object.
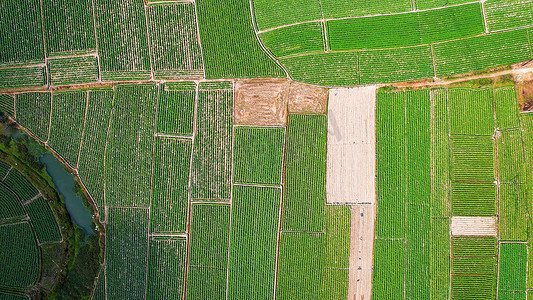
{"x":11,"y":206}
{"x":73,"y":70}
{"x":297,"y":39}
{"x":34,"y":113}
{"x":471,"y":111}
{"x":43,"y":221}
{"x":513,"y":262}
{"x":67,"y":124}
{"x":24,"y":190}
{"x":389,"y":268}
{"x":33,"y":76}
{"x":504,"y":14}
{"x":175,"y":110}
{"x":439,"y":154}
{"x":472,"y":158}
{"x":7,"y":105}
{"x":506,"y":108}
{"x":166,"y":268}
{"x":19,"y":263}
{"x":417,"y":259}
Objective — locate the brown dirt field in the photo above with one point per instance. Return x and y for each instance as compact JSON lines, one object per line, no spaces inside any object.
{"x":261,"y":102}
{"x":361,"y":252}
{"x":307,"y":99}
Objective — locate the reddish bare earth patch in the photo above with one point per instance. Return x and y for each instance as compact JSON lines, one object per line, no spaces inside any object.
{"x":261,"y":102}
{"x":307,"y":99}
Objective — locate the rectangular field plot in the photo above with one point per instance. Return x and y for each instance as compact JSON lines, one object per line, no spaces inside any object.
{"x":68,"y":119}
{"x":426,"y":4}
{"x":174,"y":41}
{"x":166,"y":268}
{"x":68,"y":26}
{"x":301,"y":258}
{"x":33,"y":76}
{"x":175,"y":112}
{"x":349,"y":8}
{"x":439,"y":264}
{"x":206,"y":283}
{"x":506,"y":108}
{"x":472,"y":158}
{"x":330,"y":69}
{"x":129,"y":146}
{"x":212,"y":157}
{"x":335,"y":284}
{"x":440,"y":154}
{"x":474,"y":246}
{"x":474,"y":226}
{"x":258,"y":155}
{"x":252,"y":255}
{"x":471,"y":111}
{"x":395,"y":65}
{"x":473,"y":199}
{"x":274,"y":13}
{"x":417,"y":280}
{"x":511,"y":168}
{"x":73,"y":70}
{"x":337,"y":237}
{"x":126,"y":253}
{"x":505,"y":14}
{"x":481,"y":53}
{"x":389,"y":268}
{"x":92,"y":152}
{"x":21,"y":38}
{"x":513,"y":262}
{"x":229,"y":44}
{"x":513,"y":212}
{"x":33,"y":112}
{"x":122,"y":39}
{"x":296,"y":39}
{"x":7,"y":105}
{"x":20,"y":261}
{"x":170,"y":177}
{"x":43,"y":221}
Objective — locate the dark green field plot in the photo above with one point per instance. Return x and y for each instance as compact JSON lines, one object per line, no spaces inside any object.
{"x":20,"y":185}
{"x":206,"y":283}
{"x":301,"y":260}
{"x":9,"y":204}
{"x":297,"y":39}
{"x":73,"y":70}
{"x":168,"y":208}
{"x":175,"y":112}
{"x":513,"y":262}
{"x":514,"y":200}
{"x":472,"y":158}
{"x":506,"y":108}
{"x":473,"y":199}
{"x":403,"y":30}
{"x":166,"y":268}
{"x":473,"y":287}
{"x":252,"y":255}
{"x":305,"y":171}
{"x":474,"y":246}
{"x":212,"y":155}
{"x":258,"y":155}
{"x":130,"y":146}
{"x":19,"y":261}
{"x":4,"y":168}
{"x":389,"y":268}
{"x":68,"y":26}
{"x":43,"y":220}
{"x":91,"y":160}
{"x":274,"y":13}
{"x":34,"y":76}
{"x":474,"y":265}
{"x":349,"y":8}
{"x":418,"y":240}
{"x":126,"y":252}
{"x":68,"y":118}
{"x":7,"y":105}
{"x":174,"y":42}
{"x":33,"y":112}
{"x":21,"y":38}
{"x":471,"y":111}
{"x":99,"y":290}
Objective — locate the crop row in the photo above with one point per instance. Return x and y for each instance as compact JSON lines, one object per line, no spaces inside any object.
{"x":506,"y":107}
{"x":43,"y":221}
{"x":11,"y":206}
{"x":175,"y":112}
{"x":166,"y":268}
{"x":440,"y":154}
{"x":471,"y":111}
{"x":23,"y":77}
{"x":33,"y":112}
{"x":513,"y":263}
{"x":71,"y":70}
{"x":7,"y":105}
{"x":20,"y":185}
{"x":473,"y":198}
{"x":19,"y":261}
{"x":389,"y":268}
{"x":504,"y":14}
{"x":472,"y":158}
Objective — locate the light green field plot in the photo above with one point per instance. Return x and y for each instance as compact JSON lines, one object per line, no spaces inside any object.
{"x":417,"y":235}
{"x":439,"y":264}
{"x":481,"y":53}
{"x":472,"y":158}
{"x":175,"y":110}
{"x":301,"y":259}
{"x":338,"y":222}
{"x":166,"y":268}
{"x":506,"y":108}
{"x":174,"y":42}
{"x":474,"y":246}
{"x":440,"y":154}
{"x":212,"y":155}
{"x":351,"y":8}
{"x":473,"y":287}
{"x":43,"y":221}
{"x":474,"y":265}
{"x":67,"y":123}
{"x":335,"y":284}
{"x":10,"y":206}
{"x":258,"y":155}
{"x":297,"y":39}
{"x":68,"y":26}
{"x":21,"y":39}
{"x":408,"y":29}
{"x":229,"y":44}
{"x":274,"y":13}
{"x":505,"y":14}
{"x":91,"y":160}
{"x":122,"y":39}
{"x":513,"y":212}
{"x":19,"y":262}
{"x":20,"y":186}
{"x":395,"y":65}
{"x":253,"y":242}
{"x":7,"y":105}
{"x":130,"y":145}
{"x":170,"y":181}
{"x":513,"y":262}
{"x":426,"y":4}
{"x":305,"y":171}
{"x":471,"y":111}
{"x":389,"y":268}
{"x":328,"y":69}
{"x":390,"y":165}
{"x":33,"y":112}
{"x":206,"y":283}
{"x":511,"y":157}
{"x":473,"y":198}
{"x":126,"y":252}
{"x":34,"y":76}
{"x":73,"y":70}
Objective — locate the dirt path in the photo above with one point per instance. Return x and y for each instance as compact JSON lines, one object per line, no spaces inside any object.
{"x":361,"y":252}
